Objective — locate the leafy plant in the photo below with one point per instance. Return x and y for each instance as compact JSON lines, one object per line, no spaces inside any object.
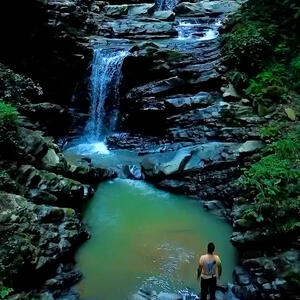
{"x":272,"y":130}
{"x":5,"y":291}
{"x":247,"y":45}
{"x":274,"y":183}
{"x":8,"y":114}
{"x":6,"y":183}
{"x":269,"y":83}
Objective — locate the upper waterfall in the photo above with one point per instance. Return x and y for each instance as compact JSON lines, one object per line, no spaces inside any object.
{"x":166,"y":4}
{"x":105,"y":82}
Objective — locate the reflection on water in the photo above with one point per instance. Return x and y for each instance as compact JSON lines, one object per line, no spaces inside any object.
{"x":142,"y":236}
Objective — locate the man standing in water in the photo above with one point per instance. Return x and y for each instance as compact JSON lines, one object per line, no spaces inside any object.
{"x":209,"y":269}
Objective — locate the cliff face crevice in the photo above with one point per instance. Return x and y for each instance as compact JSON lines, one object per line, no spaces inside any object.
{"x":41,"y":40}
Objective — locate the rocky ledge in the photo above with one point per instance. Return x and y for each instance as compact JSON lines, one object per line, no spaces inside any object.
{"x":40,"y":199}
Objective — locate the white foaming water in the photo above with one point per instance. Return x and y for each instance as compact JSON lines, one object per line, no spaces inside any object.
{"x":209,"y":35}
{"x":166,"y":4}
{"x":191,"y":31}
{"x":89,"y":149}
{"x":105,"y":82}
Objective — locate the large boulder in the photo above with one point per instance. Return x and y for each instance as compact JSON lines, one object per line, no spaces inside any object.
{"x":189,"y":159}
{"x":66,"y":192}
{"x":164,"y":15}
{"x":116,"y":11}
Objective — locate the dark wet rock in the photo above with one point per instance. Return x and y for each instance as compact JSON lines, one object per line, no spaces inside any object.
{"x":200,"y":115}
{"x":68,"y":191}
{"x":66,"y":275}
{"x":219,"y":7}
{"x":241,"y":276}
{"x":230,"y":93}
{"x":156,"y":88}
{"x":172,"y":185}
{"x":164,"y":15}
{"x":49,"y":116}
{"x":42,"y":236}
{"x":133,"y":172}
{"x":140,"y":9}
{"x":116,"y":11}
{"x":89,"y":174}
{"x":251,"y":147}
{"x":213,"y":204}
{"x":185,"y":8}
{"x":247,"y":292}
{"x":190,"y":159}
{"x":140,"y":29}
{"x":181,"y":103}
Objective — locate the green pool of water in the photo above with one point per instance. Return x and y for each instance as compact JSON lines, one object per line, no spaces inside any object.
{"x":142,"y":236}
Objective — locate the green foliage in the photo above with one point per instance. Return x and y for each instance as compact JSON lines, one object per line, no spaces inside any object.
{"x":272,"y":130}
{"x":5,"y":291}
{"x":274,"y":182}
{"x":8,"y":114}
{"x":296,"y":72}
{"x":6,"y":183}
{"x":247,"y":45}
{"x":240,"y":80}
{"x":268,"y":84}
{"x":282,"y":49}
{"x":264,"y":39}
{"x":17,"y":89}
{"x":174,"y":55}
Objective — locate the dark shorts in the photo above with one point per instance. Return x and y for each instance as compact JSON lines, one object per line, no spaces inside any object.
{"x":208,"y":286}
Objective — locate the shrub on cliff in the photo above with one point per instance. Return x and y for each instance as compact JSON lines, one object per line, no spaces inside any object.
{"x":7,"y":184}
{"x":264,"y":39}
{"x":8,"y":115}
{"x":274,"y":183}
{"x":296,"y":72}
{"x":247,"y":45}
{"x":16,"y":88}
{"x":4,"y":292}
{"x":270,"y":83}
{"x":8,"y":128}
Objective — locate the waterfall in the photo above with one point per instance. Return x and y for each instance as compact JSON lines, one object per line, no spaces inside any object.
{"x":166,"y":4}
{"x":105,"y":82}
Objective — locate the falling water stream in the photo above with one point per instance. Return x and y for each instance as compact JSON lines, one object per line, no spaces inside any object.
{"x":166,"y":4}
{"x":105,"y":82}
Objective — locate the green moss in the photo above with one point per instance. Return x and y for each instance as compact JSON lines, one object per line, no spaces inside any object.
{"x":173,"y":55}
{"x":8,"y":114}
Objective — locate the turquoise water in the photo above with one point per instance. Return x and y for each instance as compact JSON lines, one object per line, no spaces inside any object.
{"x":142,"y":236}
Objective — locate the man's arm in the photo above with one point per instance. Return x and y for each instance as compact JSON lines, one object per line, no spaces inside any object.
{"x":199,"y":270}
{"x":200,"y":265}
{"x":220,"y":270}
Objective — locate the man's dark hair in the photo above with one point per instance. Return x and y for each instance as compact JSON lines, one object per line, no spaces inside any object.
{"x":210,"y":248}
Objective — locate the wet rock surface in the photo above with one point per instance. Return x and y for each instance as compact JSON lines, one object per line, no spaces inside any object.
{"x":40,"y":200}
